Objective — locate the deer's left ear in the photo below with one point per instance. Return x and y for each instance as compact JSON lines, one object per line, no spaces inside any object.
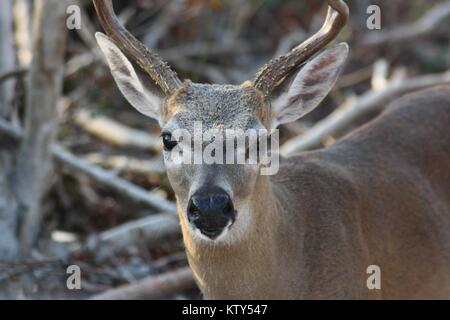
{"x":138,"y":95}
{"x":311,"y":85}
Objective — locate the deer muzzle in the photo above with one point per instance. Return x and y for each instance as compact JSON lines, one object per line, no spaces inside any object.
{"x":211,"y":211}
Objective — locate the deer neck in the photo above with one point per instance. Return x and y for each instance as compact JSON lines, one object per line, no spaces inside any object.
{"x":243,"y":268}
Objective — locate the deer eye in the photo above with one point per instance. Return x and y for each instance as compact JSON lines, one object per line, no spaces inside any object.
{"x":168,"y":141}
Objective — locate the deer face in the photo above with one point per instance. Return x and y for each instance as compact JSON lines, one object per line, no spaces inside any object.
{"x":214,"y":197}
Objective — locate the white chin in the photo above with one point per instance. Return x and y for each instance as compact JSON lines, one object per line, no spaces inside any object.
{"x":231,"y":234}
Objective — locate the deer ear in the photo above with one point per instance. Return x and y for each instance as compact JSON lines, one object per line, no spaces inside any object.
{"x":142,"y":99}
{"x":311,"y":85}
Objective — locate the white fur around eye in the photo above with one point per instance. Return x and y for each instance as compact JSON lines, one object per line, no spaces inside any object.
{"x":127,"y":80}
{"x":311,"y":85}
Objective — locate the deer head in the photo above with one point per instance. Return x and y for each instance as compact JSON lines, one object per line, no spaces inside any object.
{"x":213,"y":198}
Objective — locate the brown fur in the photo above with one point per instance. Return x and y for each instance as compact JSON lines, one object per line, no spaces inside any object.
{"x":379,"y":196}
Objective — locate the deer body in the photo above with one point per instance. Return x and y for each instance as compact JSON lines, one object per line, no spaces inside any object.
{"x":370,"y":199}
{"x":380,"y":196}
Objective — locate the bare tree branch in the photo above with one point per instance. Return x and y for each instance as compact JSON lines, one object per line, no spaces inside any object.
{"x":110,"y":178}
{"x":350,"y":79}
{"x":154,"y":287}
{"x":80,"y":61}
{"x":380,"y":75}
{"x":126,"y":163}
{"x":23,"y":31}
{"x":150,"y":230}
{"x":7,"y":59}
{"x":9,"y":247}
{"x":9,"y":135}
{"x":344,"y":115}
{"x":426,"y":24}
{"x":102,"y":176}
{"x":115,"y":132}
{"x":6,"y":75}
{"x":34,"y":162}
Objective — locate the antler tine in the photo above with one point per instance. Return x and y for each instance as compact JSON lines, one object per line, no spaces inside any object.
{"x":149,"y":61}
{"x":277,"y":69}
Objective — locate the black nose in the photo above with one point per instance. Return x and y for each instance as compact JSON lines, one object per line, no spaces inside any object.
{"x":210,"y":210}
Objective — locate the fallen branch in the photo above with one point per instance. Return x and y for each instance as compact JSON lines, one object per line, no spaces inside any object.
{"x":114,"y":132}
{"x":149,"y":230}
{"x":426,"y":24}
{"x":106,"y":177}
{"x":9,"y":133}
{"x":12,"y":73}
{"x":153,"y":287}
{"x":165,"y":261}
{"x":355,"y":77}
{"x":352,"y":109}
{"x":110,"y":178}
{"x":125,"y":163}
{"x":80,"y":61}
{"x":380,"y":75}
{"x":22,"y":22}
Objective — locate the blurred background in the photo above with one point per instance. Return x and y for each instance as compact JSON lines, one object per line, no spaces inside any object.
{"x":82,"y":180}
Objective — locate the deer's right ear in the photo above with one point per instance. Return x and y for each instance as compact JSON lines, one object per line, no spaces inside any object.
{"x":311,"y":85}
{"x":145,"y":101}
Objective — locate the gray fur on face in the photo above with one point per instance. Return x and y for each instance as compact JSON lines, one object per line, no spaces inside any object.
{"x":217,"y":106}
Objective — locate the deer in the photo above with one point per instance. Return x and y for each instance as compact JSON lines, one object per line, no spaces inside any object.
{"x":379,"y":196}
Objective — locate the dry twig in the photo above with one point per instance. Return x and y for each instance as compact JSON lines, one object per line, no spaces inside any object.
{"x":153,"y":287}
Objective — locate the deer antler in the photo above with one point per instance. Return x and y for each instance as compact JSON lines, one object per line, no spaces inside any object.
{"x":269,"y":76}
{"x":149,"y":61}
